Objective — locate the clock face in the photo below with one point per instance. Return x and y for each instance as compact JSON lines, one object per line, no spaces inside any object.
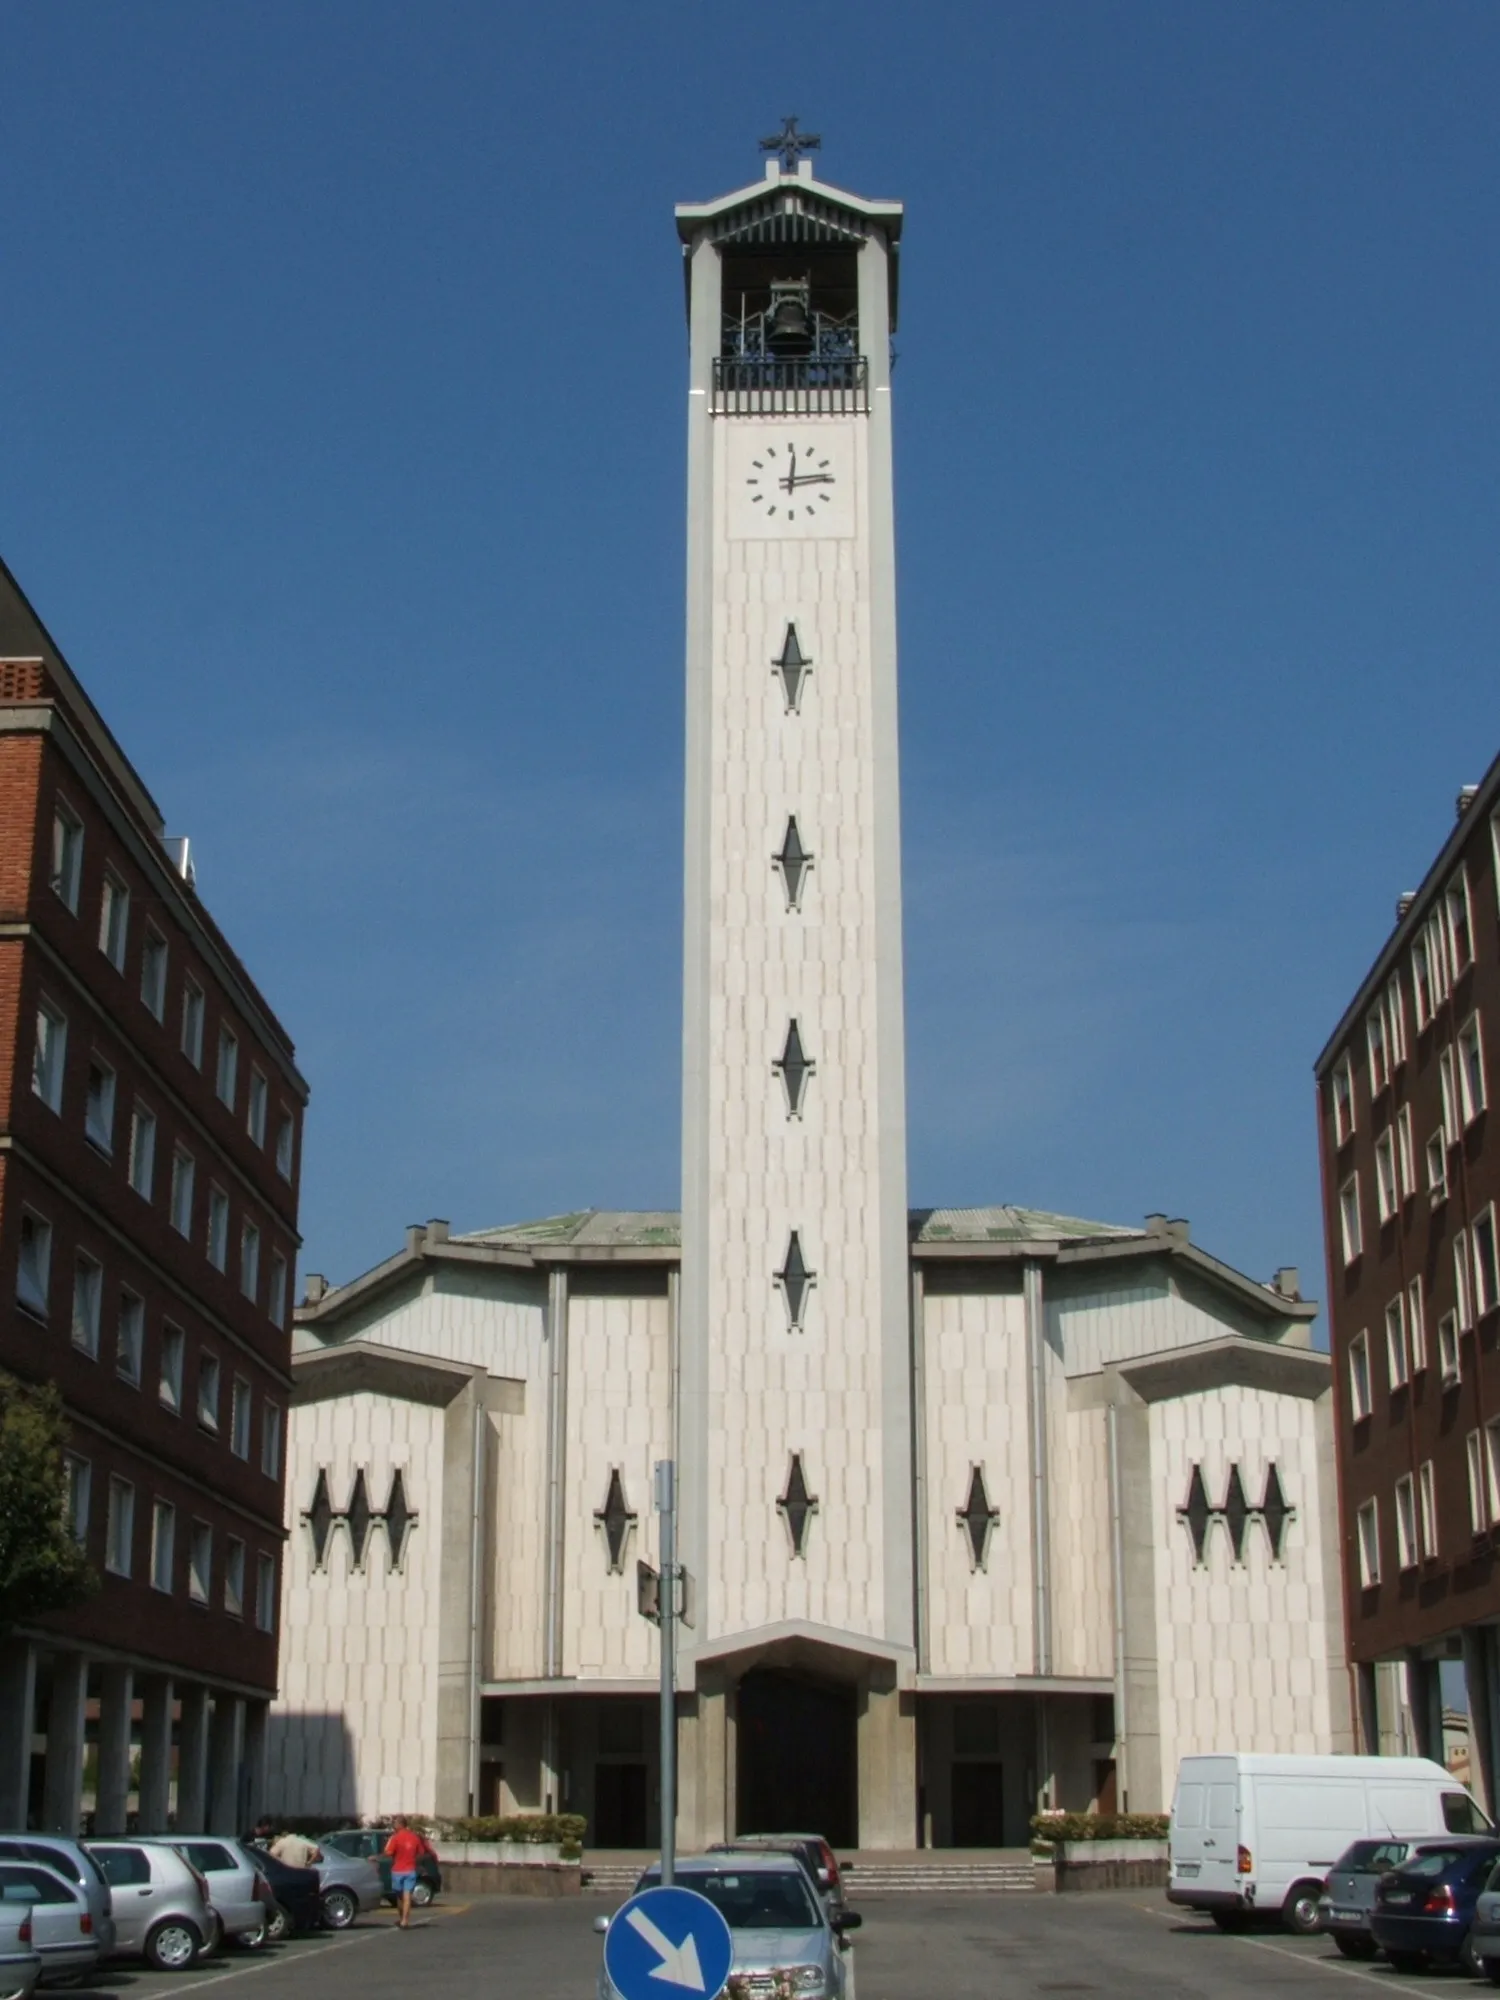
{"x":785,"y":480}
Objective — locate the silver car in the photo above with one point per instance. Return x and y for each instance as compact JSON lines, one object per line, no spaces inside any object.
{"x":62,"y":1930}
{"x":20,"y":1964}
{"x":351,"y":1885}
{"x":776,"y":1920}
{"x":241,"y":1897}
{"x":1349,"y":1893}
{"x":163,"y":1911}
{"x":74,"y":1863}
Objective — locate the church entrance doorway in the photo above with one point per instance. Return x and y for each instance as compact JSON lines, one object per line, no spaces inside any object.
{"x":979,"y":1805}
{"x":797,"y":1760}
{"x":619,"y":1806}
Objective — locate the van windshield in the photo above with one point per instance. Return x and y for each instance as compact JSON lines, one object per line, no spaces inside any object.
{"x":1461,"y":1815}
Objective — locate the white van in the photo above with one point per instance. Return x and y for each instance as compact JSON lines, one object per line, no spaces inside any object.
{"x":1260,"y":1833}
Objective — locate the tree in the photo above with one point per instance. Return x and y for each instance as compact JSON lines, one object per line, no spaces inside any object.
{"x":42,"y":1565}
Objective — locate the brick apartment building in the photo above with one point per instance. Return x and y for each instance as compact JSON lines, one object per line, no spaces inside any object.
{"x":150,"y":1126}
{"x":1411,"y":1174}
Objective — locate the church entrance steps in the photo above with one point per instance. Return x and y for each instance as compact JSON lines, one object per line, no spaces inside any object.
{"x":923,"y":1871}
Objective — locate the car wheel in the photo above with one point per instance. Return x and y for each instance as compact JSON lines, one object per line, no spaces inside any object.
{"x":255,"y":1940}
{"x":422,"y":1895}
{"x":278,"y":1925}
{"x":1490,"y":1967}
{"x":1468,"y":1958}
{"x":1355,"y":1947}
{"x":339,"y":1909}
{"x":1300,"y":1910}
{"x":171,"y":1945}
{"x":1407,"y":1961}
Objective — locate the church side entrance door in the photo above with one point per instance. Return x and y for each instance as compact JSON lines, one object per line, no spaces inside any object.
{"x":797,"y":1757}
{"x":619,"y":1806}
{"x":978,"y":1805}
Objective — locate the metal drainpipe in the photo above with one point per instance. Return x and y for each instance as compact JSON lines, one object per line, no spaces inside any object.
{"x":1117,"y":1564}
{"x":1041,"y":1542}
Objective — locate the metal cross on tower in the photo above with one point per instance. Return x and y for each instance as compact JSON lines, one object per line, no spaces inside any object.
{"x":789,"y":143}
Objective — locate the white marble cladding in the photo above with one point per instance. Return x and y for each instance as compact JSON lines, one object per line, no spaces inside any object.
{"x":619,"y":1414}
{"x":772,"y":1391}
{"x":354,"y":1725}
{"x":1241,"y":1648}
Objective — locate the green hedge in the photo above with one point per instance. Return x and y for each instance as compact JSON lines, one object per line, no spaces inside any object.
{"x":566,"y":1830}
{"x":1056,"y":1826}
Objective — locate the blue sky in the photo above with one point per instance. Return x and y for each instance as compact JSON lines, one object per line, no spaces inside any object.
{"x":341,"y":445}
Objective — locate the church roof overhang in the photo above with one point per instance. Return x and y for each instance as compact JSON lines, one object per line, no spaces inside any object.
{"x":791,"y":209}
{"x":799,"y":1642}
{"x":1233,"y":1361}
{"x":357,"y":1367}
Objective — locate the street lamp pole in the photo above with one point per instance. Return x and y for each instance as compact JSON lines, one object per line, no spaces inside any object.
{"x":666,"y":1506}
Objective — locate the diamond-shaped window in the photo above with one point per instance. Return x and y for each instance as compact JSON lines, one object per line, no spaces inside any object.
{"x":793,"y":860}
{"x":319,"y":1518}
{"x":357,"y":1517}
{"x":977,"y":1518}
{"x":1275,"y":1512}
{"x":1236,"y":1512}
{"x":399,"y":1519}
{"x":794,"y":1067}
{"x":797,"y":1505}
{"x":1197,"y":1513}
{"x":793,"y":665}
{"x":796,"y":1280}
{"x":616,"y":1519}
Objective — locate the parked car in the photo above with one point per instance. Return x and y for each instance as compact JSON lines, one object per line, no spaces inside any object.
{"x":368,"y":1843}
{"x":163,"y":1911}
{"x":1424,"y":1909}
{"x":1349,"y":1893}
{"x":20,"y":1964}
{"x":74,"y":1863}
{"x":1258,"y":1834}
{"x":776,"y":1919}
{"x":811,"y":1849}
{"x":297,"y":1894}
{"x":62,"y":1927}
{"x":351,"y":1885}
{"x":237,"y":1887}
{"x":1484,"y":1935}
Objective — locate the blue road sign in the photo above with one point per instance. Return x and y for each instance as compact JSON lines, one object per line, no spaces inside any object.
{"x":667,"y":1944}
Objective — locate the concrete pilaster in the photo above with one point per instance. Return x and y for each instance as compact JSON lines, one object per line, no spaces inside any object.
{"x":17,"y":1727}
{"x":225,"y":1737}
{"x":887,"y":1740}
{"x":1143,"y":1784}
{"x":1367,"y":1687}
{"x":62,"y":1793}
{"x":156,"y":1753}
{"x":1424,"y":1706}
{"x":465,"y":1431}
{"x":112,"y":1792}
{"x":1482,"y":1680}
{"x":192,"y":1760}
{"x":252,"y":1800}
{"x":702,"y":1759}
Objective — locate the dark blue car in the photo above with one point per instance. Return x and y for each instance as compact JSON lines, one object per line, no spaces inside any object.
{"x":1425,"y":1908}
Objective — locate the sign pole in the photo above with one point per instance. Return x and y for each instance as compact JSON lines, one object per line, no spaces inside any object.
{"x":666,"y":1506}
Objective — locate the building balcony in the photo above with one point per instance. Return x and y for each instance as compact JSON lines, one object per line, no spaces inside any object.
{"x":806,"y":387}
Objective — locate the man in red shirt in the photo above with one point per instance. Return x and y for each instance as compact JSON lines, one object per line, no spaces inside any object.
{"x":405,"y":1848}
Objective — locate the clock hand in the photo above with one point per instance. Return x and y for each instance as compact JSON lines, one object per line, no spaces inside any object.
{"x":809,"y":479}
{"x":791,"y":478}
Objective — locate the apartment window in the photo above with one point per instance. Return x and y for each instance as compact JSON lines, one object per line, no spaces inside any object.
{"x":200,"y":1562}
{"x":1470,"y":1070}
{"x":255,"y":1116}
{"x":114,"y":919}
{"x":88,"y":1290}
{"x":234,"y":1577}
{"x":1416,"y":1326}
{"x":1449,"y":1363}
{"x":218,"y":1228}
{"x":99,"y":1106}
{"x":67,"y":854}
{"x":1437,"y":957}
{"x":79,"y":1475}
{"x":173,"y":1350}
{"x":142,"y":1150}
{"x":250,"y":1261}
{"x":1349,"y":1218}
{"x":208,"y":1391}
{"x":239,"y":1418}
{"x":1395,"y":1021}
{"x":1486,"y":1268}
{"x":227,"y":1072}
{"x":119,"y":1531}
{"x":1343,"y":1101}
{"x":270,"y":1440}
{"x":265,"y":1593}
{"x":1387,"y":1197}
{"x":1406,"y":1522}
{"x":1398,"y":1370}
{"x":130,"y":1338}
{"x":1437,"y":1169}
{"x":1380,"y":1066}
{"x":1463,"y":1287}
{"x":1421,"y":979}
{"x":183,"y":1174}
{"x":1448,"y":1078}
{"x":1460,"y":928}
{"x":163,"y":1544}
{"x":1369,"y":1544}
{"x":1361,"y":1400}
{"x":1492,"y":1468}
{"x":34,"y":1268}
{"x":1427,"y":1508}
{"x":192,"y":1022}
{"x":1406,"y":1155}
{"x":154,"y":972}
{"x":51,"y":1055}
{"x":285,"y":1140}
{"x":276,"y":1291}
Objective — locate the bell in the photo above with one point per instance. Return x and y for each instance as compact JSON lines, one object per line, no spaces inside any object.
{"x":788,"y":330}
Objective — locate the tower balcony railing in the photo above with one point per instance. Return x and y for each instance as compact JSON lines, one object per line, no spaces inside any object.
{"x":809,"y":387}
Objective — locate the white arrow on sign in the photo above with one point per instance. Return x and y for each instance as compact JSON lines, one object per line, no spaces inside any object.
{"x":679,"y":1962}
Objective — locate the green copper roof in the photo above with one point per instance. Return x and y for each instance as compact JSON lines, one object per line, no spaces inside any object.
{"x":625,"y":1228}
{"x":1006,"y":1225}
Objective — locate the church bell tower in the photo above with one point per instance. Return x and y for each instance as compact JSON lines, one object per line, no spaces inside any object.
{"x":794,"y":1418}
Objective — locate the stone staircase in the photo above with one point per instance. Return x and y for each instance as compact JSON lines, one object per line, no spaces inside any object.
{"x":923,"y":1872}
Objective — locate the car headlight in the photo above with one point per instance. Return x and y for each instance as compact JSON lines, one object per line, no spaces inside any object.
{"x":806,"y":1978}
